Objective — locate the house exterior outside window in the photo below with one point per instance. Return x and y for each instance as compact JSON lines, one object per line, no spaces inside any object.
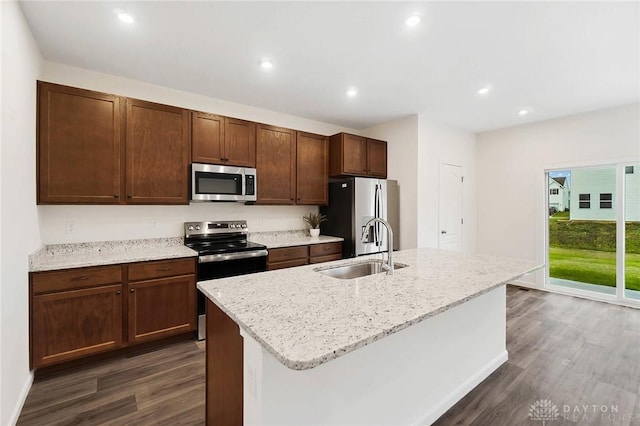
{"x":601,"y":182}
{"x":585,"y":201}
{"x":606,"y":201}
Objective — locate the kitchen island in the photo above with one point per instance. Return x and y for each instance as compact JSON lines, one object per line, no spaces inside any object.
{"x":295,"y":346}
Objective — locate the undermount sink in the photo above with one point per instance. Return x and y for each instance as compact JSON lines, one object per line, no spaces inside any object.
{"x":357,"y":270}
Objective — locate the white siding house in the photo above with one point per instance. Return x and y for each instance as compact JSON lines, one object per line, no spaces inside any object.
{"x":558,"y":193}
{"x":593,"y":194}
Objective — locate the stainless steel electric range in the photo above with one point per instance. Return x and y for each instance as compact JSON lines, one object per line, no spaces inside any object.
{"x":223,"y":251}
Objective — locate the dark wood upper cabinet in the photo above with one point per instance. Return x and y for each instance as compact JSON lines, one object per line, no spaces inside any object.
{"x":158,"y":150}
{"x":276,"y":165}
{"x":223,"y":140}
{"x":239,"y":142}
{"x":376,"y":158}
{"x":351,"y":155}
{"x":79,"y":143}
{"x":207,"y":138}
{"x":312,"y":166}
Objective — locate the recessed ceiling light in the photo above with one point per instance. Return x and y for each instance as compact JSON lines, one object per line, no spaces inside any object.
{"x":352,"y":91}
{"x":523,"y":112}
{"x":413,"y":20}
{"x":125,"y":17}
{"x":484,"y":90}
{"x":266,"y":64}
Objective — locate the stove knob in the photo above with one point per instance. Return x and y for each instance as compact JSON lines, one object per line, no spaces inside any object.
{"x":244,"y":225}
{"x":190,"y":227}
{"x":197,"y":227}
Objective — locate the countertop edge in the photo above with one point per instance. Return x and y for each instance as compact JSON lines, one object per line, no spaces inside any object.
{"x":308,"y":364}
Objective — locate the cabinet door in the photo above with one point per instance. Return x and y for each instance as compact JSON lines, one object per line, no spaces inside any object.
{"x":276,"y":165}
{"x":312,"y":169}
{"x":161,"y":308}
{"x":354,"y":155}
{"x":78,"y":146}
{"x":207,"y":138}
{"x":73,"y":324}
{"x":376,"y":158}
{"x":158,"y":153}
{"x":239,"y":143}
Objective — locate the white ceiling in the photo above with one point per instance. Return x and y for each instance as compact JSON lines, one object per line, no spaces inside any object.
{"x":554,"y":58}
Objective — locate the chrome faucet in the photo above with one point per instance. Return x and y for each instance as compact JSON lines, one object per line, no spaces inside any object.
{"x":364,"y":238}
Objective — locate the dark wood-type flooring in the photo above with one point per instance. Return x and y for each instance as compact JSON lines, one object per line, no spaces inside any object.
{"x":569,"y":351}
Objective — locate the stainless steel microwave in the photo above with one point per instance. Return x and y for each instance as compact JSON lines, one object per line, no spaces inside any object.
{"x":222,"y":183}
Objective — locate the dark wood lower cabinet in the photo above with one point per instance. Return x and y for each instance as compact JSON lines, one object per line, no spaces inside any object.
{"x":225,"y":359}
{"x":161,"y":308}
{"x":73,"y":324}
{"x":287,"y":257}
{"x":80,"y":312}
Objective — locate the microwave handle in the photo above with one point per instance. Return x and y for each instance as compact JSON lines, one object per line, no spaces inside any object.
{"x":244,"y":184}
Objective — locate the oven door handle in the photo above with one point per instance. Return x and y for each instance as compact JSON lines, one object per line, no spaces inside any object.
{"x":232,"y":256}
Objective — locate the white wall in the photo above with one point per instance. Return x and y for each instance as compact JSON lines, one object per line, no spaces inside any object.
{"x":99,"y":223}
{"x":511,"y":182}
{"x":21,"y":63}
{"x":402,"y":165}
{"x":416,"y":148}
{"x":438,"y":144}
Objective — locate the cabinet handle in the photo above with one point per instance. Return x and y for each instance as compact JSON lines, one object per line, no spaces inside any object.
{"x":118,"y":292}
{"x":163,"y":269}
{"x":132,"y":290}
{"x":86,"y":277}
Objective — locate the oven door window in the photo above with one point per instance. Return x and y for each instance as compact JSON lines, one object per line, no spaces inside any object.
{"x":218,"y":183}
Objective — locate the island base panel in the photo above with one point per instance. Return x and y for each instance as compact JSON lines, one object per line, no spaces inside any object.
{"x":224,"y":343}
{"x":409,"y":377}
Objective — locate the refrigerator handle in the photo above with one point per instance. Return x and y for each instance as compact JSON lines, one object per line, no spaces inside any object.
{"x":376,"y":213}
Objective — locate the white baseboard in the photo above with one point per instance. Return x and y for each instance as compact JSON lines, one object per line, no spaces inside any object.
{"x":580,"y":294}
{"x":23,"y":397}
{"x":462,"y":390}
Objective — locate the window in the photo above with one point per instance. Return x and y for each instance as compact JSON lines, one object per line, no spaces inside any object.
{"x":628,"y":170}
{"x":606,"y":200}
{"x":585,"y":201}
{"x":553,"y":191}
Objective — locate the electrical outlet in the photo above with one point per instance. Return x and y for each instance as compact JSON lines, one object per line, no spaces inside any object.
{"x":69,"y":227}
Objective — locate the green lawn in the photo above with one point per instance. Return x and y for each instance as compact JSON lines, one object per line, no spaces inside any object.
{"x":592,"y":266}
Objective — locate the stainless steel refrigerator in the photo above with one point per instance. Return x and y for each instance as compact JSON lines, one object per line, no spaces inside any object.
{"x":352,"y":202}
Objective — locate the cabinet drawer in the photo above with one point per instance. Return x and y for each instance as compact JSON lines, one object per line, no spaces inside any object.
{"x":286,"y":264}
{"x":288,"y":253}
{"x":160,"y":269}
{"x":48,"y":282}
{"x":325,"y":249}
{"x":327,"y":258}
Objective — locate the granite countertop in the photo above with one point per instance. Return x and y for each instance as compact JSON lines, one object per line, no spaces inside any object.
{"x":66,"y":256}
{"x":305,"y":318}
{"x":298,"y":237}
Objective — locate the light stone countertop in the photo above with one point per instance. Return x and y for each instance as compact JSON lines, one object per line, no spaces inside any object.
{"x":298,"y":237}
{"x":304,"y":318}
{"x":66,"y":256}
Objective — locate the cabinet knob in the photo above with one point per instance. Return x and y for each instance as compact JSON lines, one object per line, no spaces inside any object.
{"x":118,"y":292}
{"x":129,"y":196}
{"x":116,"y":195}
{"x":132,"y":290}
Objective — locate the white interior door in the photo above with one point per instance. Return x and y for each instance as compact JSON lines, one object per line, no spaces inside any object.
{"x":450,"y":207}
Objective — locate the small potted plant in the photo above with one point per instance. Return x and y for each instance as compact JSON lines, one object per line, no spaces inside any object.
{"x":314,"y":220}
